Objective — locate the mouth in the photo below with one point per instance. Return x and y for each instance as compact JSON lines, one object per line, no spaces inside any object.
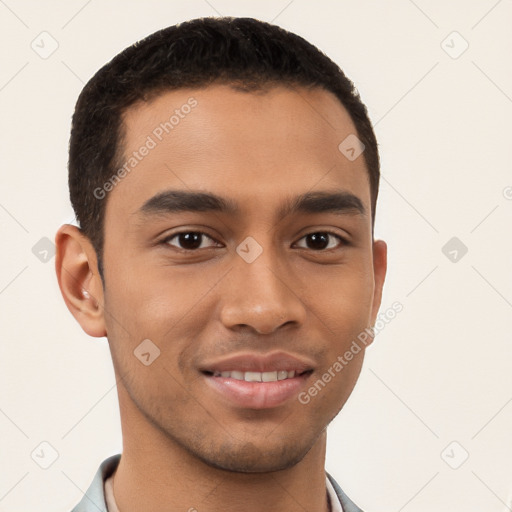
{"x":251,"y":380}
{"x":256,"y":390}
{"x":270,"y":376}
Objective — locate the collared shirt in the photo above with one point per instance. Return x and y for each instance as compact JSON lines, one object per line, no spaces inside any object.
{"x":99,"y":496}
{"x":334,"y":502}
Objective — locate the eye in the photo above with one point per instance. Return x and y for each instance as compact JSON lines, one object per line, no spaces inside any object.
{"x":190,"y":240}
{"x":321,"y":240}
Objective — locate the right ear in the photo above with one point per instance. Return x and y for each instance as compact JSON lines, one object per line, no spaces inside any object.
{"x":79,"y":280}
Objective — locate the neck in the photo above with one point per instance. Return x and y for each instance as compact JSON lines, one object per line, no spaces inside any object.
{"x":157,"y":474}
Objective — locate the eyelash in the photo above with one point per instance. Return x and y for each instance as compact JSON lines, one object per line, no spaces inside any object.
{"x":166,"y":240}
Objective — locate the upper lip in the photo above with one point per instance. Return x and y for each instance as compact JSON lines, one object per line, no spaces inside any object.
{"x":253,"y":362}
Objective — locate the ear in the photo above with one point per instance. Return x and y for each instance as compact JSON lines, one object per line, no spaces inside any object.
{"x":380,"y":263}
{"x":79,"y":280}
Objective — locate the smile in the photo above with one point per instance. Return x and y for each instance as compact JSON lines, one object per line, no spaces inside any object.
{"x":257,"y":390}
{"x":257,"y":376}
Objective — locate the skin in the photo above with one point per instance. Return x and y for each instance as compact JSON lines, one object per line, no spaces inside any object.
{"x":184,"y":445}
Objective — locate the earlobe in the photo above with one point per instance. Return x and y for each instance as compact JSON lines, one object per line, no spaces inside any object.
{"x":79,"y":280}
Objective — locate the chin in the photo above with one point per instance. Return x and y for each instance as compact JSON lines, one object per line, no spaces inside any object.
{"x":251,"y":458}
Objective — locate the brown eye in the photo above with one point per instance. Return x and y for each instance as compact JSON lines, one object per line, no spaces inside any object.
{"x":321,"y":240}
{"x":190,"y":240}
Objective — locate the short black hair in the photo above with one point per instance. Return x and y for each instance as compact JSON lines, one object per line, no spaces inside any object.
{"x":245,"y":53}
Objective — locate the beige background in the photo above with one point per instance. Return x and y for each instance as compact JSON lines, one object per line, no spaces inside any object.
{"x":439,"y":373}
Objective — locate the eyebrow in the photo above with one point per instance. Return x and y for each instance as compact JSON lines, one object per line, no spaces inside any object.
{"x":176,"y":201}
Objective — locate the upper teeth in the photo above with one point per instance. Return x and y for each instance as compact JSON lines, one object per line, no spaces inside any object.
{"x":257,"y":376}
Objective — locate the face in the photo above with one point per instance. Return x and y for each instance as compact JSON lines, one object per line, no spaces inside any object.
{"x":239,"y":244}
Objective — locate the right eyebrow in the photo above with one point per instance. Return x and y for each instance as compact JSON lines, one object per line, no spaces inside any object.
{"x":173,"y":201}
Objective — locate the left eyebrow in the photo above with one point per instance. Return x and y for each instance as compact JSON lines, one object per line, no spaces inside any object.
{"x":338,"y":203}
{"x":175,"y":201}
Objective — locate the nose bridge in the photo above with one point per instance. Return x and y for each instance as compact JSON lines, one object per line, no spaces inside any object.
{"x":259,"y":292}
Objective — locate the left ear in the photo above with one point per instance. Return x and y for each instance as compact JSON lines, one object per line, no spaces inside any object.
{"x":380,"y":263}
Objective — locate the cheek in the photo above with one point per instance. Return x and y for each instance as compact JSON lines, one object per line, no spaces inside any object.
{"x":331,"y":387}
{"x":152,"y":298}
{"x":170,"y":309}
{"x":341,"y":298}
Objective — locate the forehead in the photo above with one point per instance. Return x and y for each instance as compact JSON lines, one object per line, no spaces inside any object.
{"x":255,"y":147}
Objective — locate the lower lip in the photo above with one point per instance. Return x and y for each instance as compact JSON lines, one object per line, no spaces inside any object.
{"x":257,"y":395}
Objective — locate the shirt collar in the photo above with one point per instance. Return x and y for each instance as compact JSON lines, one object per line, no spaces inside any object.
{"x":112,"y":506}
{"x":99,"y":497}
{"x":333,"y":497}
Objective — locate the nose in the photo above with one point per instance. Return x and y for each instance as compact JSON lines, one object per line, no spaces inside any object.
{"x":260,"y":297}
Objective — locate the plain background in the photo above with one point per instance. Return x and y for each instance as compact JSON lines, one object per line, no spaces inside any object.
{"x":436,"y":386}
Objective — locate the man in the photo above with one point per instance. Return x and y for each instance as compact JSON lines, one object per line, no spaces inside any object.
{"x":224,"y":173}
